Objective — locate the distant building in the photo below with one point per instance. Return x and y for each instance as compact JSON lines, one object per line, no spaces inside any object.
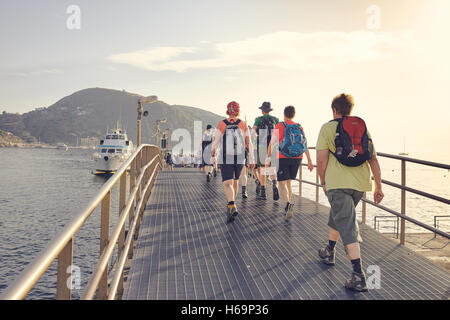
{"x":89,"y":142}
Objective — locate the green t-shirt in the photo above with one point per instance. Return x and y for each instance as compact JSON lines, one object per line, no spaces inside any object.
{"x":338,"y":176}
{"x":258,"y":125}
{"x":259,"y":119}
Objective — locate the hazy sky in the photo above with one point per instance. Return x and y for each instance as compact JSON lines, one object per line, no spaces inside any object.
{"x":205,"y":53}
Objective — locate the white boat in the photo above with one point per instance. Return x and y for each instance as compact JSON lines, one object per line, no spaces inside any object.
{"x":112,"y":152}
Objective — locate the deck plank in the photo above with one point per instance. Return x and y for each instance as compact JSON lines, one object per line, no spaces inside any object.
{"x":185,"y":250}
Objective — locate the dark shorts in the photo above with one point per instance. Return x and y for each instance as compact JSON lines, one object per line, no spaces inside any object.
{"x":231,"y":171}
{"x":288,"y":169}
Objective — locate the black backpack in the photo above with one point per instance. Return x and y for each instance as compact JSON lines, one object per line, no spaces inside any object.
{"x":353,"y":145}
{"x":233,"y":132}
{"x":266,"y":126}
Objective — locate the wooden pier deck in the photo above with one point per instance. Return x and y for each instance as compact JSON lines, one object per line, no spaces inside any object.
{"x":185,"y":250}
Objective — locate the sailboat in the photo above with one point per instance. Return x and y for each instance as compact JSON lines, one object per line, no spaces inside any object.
{"x":404,"y":153}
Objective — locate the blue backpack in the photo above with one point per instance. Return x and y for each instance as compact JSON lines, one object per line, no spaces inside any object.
{"x":294,"y":142}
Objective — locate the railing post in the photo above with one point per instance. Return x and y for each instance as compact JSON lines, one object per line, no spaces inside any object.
{"x":131,"y":215}
{"x":403,"y":204}
{"x":317,"y":187}
{"x":121,"y":241}
{"x":104,"y":239}
{"x":364,"y":209}
{"x":64,"y":277}
{"x":300,"y":178}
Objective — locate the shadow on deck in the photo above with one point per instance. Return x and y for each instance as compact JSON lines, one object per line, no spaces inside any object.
{"x":186,"y":251}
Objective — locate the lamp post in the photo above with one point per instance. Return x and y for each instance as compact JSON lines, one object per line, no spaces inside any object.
{"x":141,"y":112}
{"x":157,"y":131}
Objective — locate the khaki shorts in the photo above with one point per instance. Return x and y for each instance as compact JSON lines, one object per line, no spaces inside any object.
{"x":343,"y":214}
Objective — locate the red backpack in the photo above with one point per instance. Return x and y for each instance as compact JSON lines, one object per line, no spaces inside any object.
{"x":353,"y":145}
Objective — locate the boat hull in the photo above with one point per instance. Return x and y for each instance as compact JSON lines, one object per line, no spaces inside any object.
{"x":107,"y":165}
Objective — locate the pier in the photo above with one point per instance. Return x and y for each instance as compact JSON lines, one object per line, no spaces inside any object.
{"x":173,"y":242}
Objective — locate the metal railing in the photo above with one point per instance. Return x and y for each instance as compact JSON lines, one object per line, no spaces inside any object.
{"x":439,"y":218}
{"x":402,"y":186}
{"x":143,"y":166}
{"x":378,"y":219}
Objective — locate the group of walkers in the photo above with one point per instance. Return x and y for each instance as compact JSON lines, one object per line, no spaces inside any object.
{"x":345,"y":158}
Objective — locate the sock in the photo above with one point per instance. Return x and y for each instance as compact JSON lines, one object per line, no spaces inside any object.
{"x":356,"y":263}
{"x":331,"y":245}
{"x":231,"y":203}
{"x":243,"y":188}
{"x":287,"y":206}
{"x":263,"y":188}
{"x":274,"y":183}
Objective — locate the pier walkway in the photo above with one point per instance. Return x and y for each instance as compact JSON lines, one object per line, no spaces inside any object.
{"x":185,"y":250}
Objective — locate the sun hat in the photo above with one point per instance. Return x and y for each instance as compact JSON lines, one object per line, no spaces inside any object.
{"x":266,"y":107}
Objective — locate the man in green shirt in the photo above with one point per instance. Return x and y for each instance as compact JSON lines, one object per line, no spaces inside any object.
{"x":344,"y":186}
{"x":263,"y":128}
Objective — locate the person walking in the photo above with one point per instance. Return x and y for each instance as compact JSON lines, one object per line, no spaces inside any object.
{"x":233,"y":135}
{"x":345,"y":157}
{"x":263,"y":129}
{"x":206,"y":152}
{"x":169,"y":161}
{"x":291,"y":139}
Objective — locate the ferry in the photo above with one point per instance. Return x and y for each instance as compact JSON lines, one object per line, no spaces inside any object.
{"x":112,"y":152}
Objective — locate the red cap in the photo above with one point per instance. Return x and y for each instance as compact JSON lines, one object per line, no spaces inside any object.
{"x":233,"y":108}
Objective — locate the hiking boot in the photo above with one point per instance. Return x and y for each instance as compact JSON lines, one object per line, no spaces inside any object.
{"x":262,"y":194}
{"x":327,"y":256}
{"x":244,"y":193}
{"x":231,"y":213}
{"x":289,"y":211}
{"x":276,"y":195}
{"x":357,"y":282}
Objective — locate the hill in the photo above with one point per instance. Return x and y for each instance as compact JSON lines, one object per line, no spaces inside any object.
{"x":7,"y":139}
{"x":89,"y":112}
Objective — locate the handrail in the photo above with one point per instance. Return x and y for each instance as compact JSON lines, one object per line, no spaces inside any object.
{"x":418,"y":161}
{"x":62,"y":244}
{"x":107,"y":252}
{"x":402,"y":186}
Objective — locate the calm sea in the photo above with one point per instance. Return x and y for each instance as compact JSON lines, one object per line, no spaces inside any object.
{"x":42,"y":189}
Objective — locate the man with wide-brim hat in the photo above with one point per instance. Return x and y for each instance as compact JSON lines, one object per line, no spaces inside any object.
{"x":263,"y":128}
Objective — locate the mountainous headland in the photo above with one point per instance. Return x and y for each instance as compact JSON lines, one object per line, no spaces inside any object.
{"x":90,"y":112}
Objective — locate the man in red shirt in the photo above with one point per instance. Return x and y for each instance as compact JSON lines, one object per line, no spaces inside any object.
{"x":287,"y":166}
{"x":233,"y":136}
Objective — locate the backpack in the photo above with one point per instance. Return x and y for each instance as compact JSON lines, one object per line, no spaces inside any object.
{"x":233,"y":138}
{"x":267,"y":125}
{"x":352,"y":142}
{"x":294,"y":142}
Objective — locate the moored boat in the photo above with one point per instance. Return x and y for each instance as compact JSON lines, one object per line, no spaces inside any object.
{"x":112,"y":152}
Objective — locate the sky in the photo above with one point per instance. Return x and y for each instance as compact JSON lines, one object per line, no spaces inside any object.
{"x":392,"y":56}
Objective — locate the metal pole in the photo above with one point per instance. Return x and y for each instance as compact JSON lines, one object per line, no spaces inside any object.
{"x":104,"y":240}
{"x":317,"y":187}
{"x":139,"y":117}
{"x":300,"y":171}
{"x":364,"y":209}
{"x":403,"y":204}
{"x":65,"y":258}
